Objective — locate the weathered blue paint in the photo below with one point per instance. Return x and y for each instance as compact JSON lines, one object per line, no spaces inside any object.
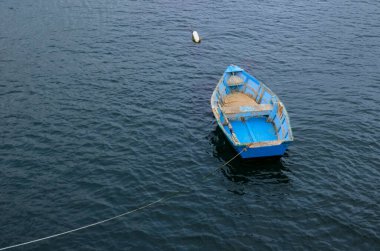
{"x":263,"y":130}
{"x":259,"y":152}
{"x":233,"y":68}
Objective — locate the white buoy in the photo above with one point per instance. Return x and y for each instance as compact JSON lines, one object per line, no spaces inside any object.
{"x":196,"y":38}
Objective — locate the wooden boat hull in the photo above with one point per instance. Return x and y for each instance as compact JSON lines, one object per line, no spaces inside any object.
{"x":250,"y":115}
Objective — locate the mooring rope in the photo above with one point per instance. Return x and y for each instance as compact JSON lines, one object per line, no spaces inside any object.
{"x":162,"y":199}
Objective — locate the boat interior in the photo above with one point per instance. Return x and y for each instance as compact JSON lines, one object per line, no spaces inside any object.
{"x":249,"y":111}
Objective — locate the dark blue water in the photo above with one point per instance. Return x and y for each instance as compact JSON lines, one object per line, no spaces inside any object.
{"x":104,"y":106}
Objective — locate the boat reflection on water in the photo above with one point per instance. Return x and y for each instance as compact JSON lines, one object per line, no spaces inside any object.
{"x":239,"y":170}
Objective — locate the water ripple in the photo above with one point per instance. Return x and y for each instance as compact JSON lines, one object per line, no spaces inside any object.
{"x":105,"y":106}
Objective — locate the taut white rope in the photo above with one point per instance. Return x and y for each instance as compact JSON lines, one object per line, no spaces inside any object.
{"x":87,"y":226}
{"x":162,"y":199}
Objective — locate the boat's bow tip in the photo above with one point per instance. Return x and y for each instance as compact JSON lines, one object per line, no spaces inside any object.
{"x":233,"y":68}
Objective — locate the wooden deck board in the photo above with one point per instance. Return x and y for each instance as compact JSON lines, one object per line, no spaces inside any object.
{"x":233,"y":102}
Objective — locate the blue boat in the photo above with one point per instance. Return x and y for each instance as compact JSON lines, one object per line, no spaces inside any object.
{"x":251,"y":116}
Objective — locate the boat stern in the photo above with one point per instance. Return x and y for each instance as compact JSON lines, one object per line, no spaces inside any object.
{"x":261,"y":152}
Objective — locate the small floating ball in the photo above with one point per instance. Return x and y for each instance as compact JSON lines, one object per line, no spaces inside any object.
{"x":196,"y":38}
